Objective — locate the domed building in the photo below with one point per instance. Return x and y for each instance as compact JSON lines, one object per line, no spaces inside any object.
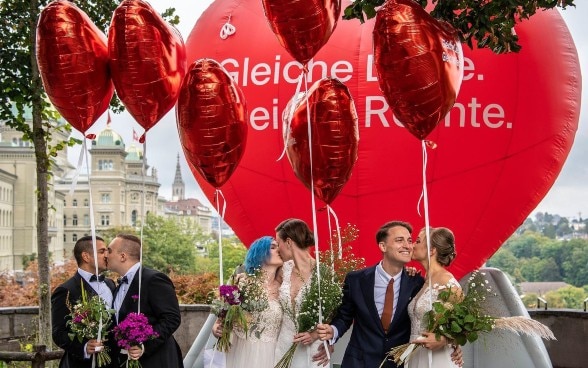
{"x":116,"y":185}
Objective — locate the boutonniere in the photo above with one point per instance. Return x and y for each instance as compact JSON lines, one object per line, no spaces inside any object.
{"x":135,"y":297}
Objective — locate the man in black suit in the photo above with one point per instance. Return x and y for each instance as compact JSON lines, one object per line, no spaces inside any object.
{"x":158,"y":302}
{"x":76,"y":354}
{"x":380,"y":321}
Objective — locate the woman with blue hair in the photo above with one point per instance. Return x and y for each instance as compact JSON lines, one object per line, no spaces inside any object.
{"x":257,"y":347}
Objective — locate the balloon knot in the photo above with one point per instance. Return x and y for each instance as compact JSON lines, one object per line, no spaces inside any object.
{"x":91,"y":136}
{"x":431,"y":144}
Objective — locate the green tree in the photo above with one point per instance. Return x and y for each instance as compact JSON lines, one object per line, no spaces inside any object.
{"x":233,"y":255}
{"x":567,"y":297}
{"x":21,"y":88}
{"x":575,"y":262}
{"x":504,"y":260}
{"x":170,"y":245}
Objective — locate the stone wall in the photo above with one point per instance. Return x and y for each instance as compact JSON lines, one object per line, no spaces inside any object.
{"x":569,"y":326}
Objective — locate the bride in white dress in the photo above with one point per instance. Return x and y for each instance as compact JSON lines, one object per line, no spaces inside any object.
{"x":294,"y":239}
{"x":257,"y":348}
{"x":442,"y":254}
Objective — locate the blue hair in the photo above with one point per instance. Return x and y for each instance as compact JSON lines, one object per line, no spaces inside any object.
{"x":258,"y":252}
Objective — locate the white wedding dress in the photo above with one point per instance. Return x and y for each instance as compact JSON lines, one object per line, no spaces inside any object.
{"x":417,"y":308}
{"x":303,"y":355}
{"x":257,"y":349}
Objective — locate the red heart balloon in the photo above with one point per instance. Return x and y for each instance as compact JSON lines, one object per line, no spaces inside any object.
{"x":147,"y":60}
{"x":212,"y":121}
{"x":335,"y":134}
{"x":499,"y":150}
{"x":302,"y":26}
{"x":73,"y":63}
{"x":419,"y":61}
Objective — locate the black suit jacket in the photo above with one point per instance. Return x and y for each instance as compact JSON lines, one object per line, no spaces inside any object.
{"x":369,"y":343}
{"x":73,"y":356}
{"x":159,"y":304}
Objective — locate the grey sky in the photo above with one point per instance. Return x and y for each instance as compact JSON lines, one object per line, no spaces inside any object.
{"x":568,"y":196}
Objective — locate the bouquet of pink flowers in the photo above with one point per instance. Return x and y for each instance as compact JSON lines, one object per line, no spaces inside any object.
{"x":235,"y":305}
{"x":134,"y":330}
{"x":87,"y":318}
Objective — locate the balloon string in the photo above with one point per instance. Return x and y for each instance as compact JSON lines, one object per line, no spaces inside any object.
{"x":425,"y":198}
{"x":331,"y":241}
{"x":74,"y":180}
{"x":314,"y":221}
{"x":293,"y":105}
{"x":340,"y":249}
{"x":217,"y":194}
{"x":143,"y":172}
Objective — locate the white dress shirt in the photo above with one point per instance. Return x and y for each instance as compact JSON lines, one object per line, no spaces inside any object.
{"x":99,"y":287}
{"x":381,"y":284}
{"x":122,"y":291}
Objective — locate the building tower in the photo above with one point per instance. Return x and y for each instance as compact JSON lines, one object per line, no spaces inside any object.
{"x":178,"y":187}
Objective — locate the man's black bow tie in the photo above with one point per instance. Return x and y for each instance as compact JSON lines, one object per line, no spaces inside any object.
{"x":100,"y":278}
{"x":122,"y":280}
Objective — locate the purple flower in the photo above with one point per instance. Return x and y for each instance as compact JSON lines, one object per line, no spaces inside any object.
{"x":135,"y":297}
{"x":134,"y":330}
{"x":230,"y":294}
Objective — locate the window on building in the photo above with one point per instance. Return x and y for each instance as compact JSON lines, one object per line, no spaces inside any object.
{"x":105,"y":220}
{"x":100,"y":165}
{"x":85,"y":202}
{"x":74,"y":237}
{"x":134,"y":218}
{"x":74,"y":203}
{"x":74,"y":220}
{"x":65,"y":238}
{"x":64,"y":220}
{"x":105,"y":197}
{"x":86,"y":219}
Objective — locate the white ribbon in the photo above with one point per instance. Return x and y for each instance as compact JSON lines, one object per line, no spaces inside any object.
{"x":217,"y":194}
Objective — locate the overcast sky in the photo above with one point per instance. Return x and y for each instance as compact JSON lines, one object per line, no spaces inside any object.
{"x":568,"y":196}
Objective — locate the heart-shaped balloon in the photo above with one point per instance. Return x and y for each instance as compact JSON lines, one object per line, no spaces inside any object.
{"x":499,"y":150}
{"x":73,"y":63}
{"x":212,"y":121}
{"x":419,"y":61}
{"x":147,"y":60}
{"x":302,"y":26}
{"x":334,"y":133}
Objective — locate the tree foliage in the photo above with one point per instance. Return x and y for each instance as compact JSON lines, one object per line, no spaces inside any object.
{"x":488,"y":24}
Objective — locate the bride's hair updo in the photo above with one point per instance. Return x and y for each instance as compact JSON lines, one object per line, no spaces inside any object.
{"x":444,"y":242}
{"x":298,"y":231}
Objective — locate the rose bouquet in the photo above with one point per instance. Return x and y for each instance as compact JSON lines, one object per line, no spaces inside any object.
{"x":134,"y":330}
{"x":236,"y":304}
{"x":89,"y":319}
{"x":326,"y":294}
{"x":463,"y":320}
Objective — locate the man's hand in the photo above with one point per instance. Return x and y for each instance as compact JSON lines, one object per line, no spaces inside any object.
{"x":94,"y":346}
{"x":135,"y":352}
{"x":325,"y":332}
{"x":321,"y":357}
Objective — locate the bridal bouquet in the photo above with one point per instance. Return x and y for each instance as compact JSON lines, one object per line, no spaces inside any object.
{"x":236,"y":304}
{"x":462,"y":321}
{"x":307,"y":317}
{"x":86,"y":318}
{"x":134,"y":330}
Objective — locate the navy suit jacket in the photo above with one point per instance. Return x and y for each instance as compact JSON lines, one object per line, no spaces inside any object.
{"x":73,"y":356}
{"x":159,"y":304}
{"x":369,"y":343}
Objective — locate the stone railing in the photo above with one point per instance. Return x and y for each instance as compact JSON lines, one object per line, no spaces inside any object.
{"x":569,"y":326}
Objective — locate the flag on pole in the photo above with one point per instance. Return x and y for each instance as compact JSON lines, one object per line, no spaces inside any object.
{"x":135,"y":136}
{"x":108,"y":119}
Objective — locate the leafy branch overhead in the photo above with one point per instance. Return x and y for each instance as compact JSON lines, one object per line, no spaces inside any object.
{"x":490,"y":23}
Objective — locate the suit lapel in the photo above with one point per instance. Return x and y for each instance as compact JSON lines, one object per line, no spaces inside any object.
{"x":403,"y":297}
{"x":367,"y":287}
{"x":128,"y":304}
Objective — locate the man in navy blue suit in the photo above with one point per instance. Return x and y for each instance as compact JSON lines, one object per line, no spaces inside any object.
{"x":375,"y":301}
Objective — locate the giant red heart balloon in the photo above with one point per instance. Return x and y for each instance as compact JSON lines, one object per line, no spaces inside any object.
{"x":419,"y":61}
{"x":302,"y":26}
{"x":212,"y":122}
{"x":147,"y":60}
{"x":499,"y":150}
{"x":73,"y":63}
{"x":334,"y":136}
